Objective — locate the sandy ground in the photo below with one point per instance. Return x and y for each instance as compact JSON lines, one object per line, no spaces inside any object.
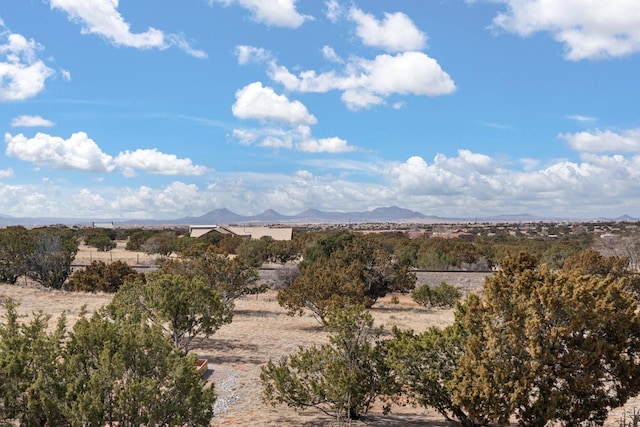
{"x":261,"y":331}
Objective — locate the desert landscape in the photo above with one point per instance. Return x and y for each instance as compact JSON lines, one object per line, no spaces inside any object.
{"x":261,"y":331}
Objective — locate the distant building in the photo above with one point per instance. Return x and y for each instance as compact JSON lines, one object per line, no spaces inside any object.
{"x":248,"y":231}
{"x":107,"y":225}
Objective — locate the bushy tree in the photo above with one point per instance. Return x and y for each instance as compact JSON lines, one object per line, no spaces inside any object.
{"x":137,"y":238}
{"x":548,"y":346}
{"x":282,"y":251}
{"x":342,"y":378}
{"x":593,"y":262}
{"x":230,"y":277}
{"x":184,"y":308}
{"x":423,"y":366}
{"x":344,"y":269}
{"x":102,"y":277}
{"x":15,"y":246}
{"x":123,"y":372}
{"x":163,"y":243}
{"x":105,"y":371}
{"x":443,"y":295}
{"x":32,"y":388}
{"x":254,"y":252}
{"x":54,"y":249}
{"x":100,"y":238}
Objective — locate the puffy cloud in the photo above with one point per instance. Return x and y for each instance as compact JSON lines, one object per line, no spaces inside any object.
{"x":172,"y":201}
{"x":474,"y":182}
{"x":79,"y":152}
{"x":604,"y":141}
{"x":89,"y":203}
{"x":448,"y":176}
{"x":155,"y":162}
{"x":366,"y":83}
{"x":245,"y":136}
{"x":280,"y":13}
{"x":248,"y":54}
{"x":289,"y":122}
{"x":588,"y":29}
{"x":101,"y":17}
{"x":22,"y":74}
{"x":272,"y":141}
{"x":261,"y":103}
{"x":297,"y":137}
{"x":325,"y":145}
{"x":465,"y":185}
{"x":30,"y":121}
{"x":396,"y":33}
{"x":6,"y":173}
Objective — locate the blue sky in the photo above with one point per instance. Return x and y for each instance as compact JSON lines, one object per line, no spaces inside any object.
{"x":163,"y":109}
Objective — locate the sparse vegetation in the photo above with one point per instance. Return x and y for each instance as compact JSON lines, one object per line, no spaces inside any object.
{"x":540,"y":315}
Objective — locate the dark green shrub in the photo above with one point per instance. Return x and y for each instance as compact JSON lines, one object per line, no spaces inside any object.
{"x":443,"y":295}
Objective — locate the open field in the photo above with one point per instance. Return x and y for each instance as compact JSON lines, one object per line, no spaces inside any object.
{"x":261,"y":331}
{"x":87,"y":254}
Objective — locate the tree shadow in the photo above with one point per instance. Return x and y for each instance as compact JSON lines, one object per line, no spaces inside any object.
{"x":227,"y":351}
{"x":256,"y":313}
{"x":372,"y":420}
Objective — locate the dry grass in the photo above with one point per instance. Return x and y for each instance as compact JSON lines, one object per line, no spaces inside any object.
{"x":261,"y":331}
{"x":87,"y":254}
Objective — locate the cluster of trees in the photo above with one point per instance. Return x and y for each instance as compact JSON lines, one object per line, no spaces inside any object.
{"x":435,"y":253}
{"x":108,"y":369}
{"x":253,"y":252}
{"x":126,"y":364}
{"x":555,"y":335}
{"x":103,"y":239}
{"x":42,"y":254}
{"x":540,"y":345}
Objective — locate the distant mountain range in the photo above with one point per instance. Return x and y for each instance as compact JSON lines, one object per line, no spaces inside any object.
{"x":310,"y":216}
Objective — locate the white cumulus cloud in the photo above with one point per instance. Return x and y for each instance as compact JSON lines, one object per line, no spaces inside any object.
{"x":588,"y":29}
{"x":262,"y":103}
{"x":79,"y":152}
{"x":604,"y":141}
{"x":395,"y":33}
{"x":22,"y":74}
{"x":101,"y":17}
{"x":294,"y":137}
{"x":279,"y":13}
{"x":366,"y":83}
{"x":156,"y":162}
{"x":30,"y":121}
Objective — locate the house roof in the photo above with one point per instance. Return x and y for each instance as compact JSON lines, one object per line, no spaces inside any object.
{"x":253,"y":232}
